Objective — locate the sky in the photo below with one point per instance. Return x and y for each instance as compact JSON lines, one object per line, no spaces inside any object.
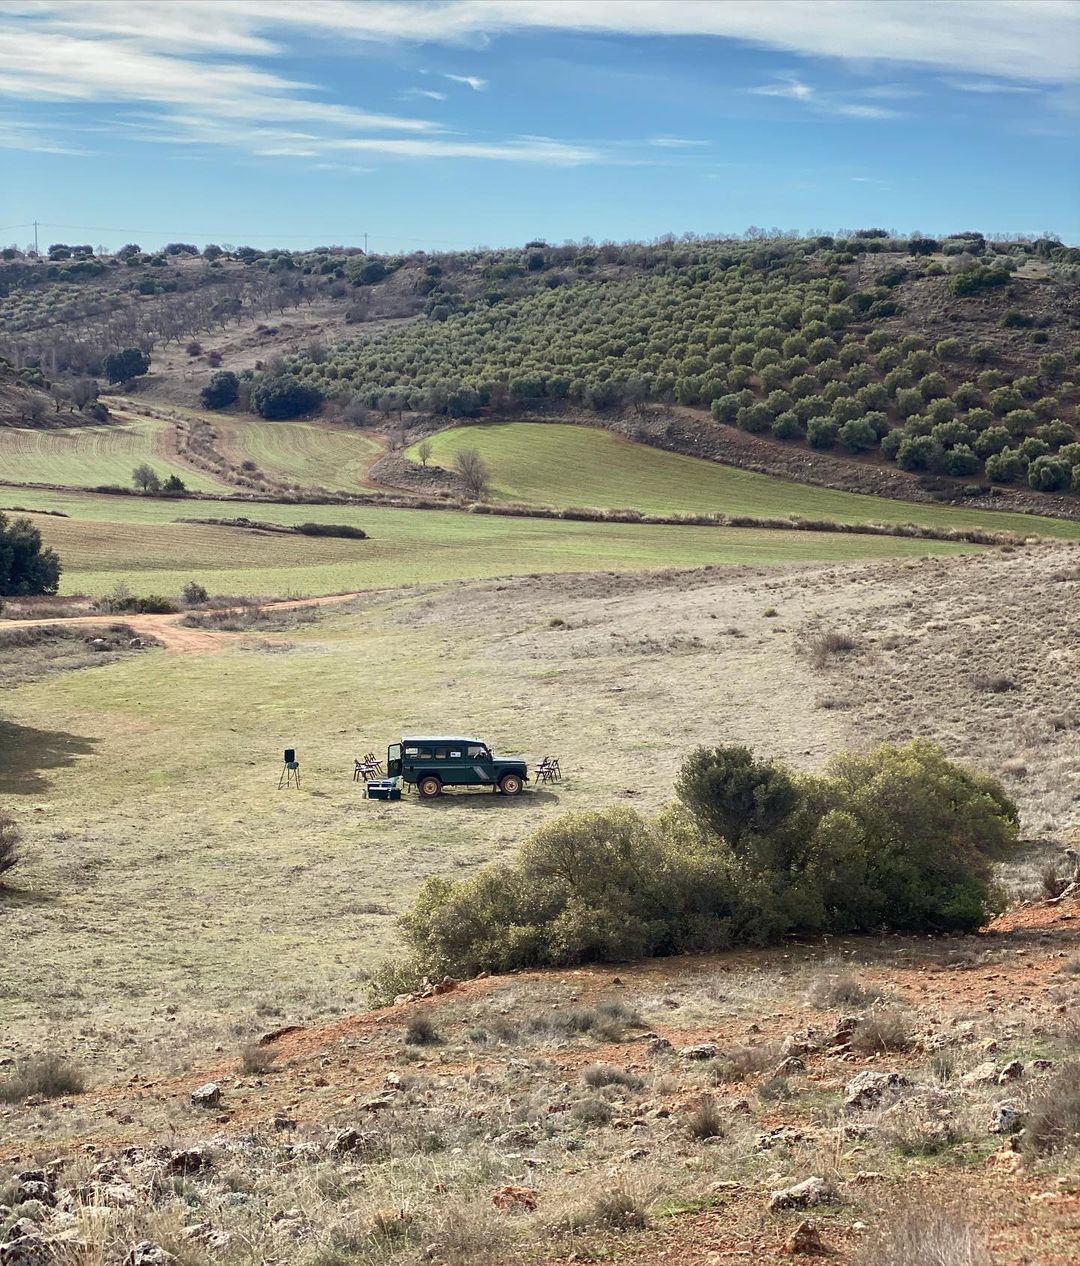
{"x":444,"y":124}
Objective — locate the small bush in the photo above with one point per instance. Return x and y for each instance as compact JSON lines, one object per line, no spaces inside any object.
{"x":922,"y":1236}
{"x":331,"y":529}
{"x":193,"y":594}
{"x":823,"y":647}
{"x":617,"y":1208}
{"x":840,"y":992}
{"x":599,"y":1075}
{"x":882,"y":1031}
{"x":42,"y":1077}
{"x":9,"y":846}
{"x":1054,"y":1115}
{"x":421,"y":1031}
{"x":256,"y":1059}
{"x":704,"y":1120}
{"x":592,"y":1111}
{"x":742,"y":1061}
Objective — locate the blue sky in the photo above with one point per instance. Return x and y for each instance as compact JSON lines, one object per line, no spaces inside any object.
{"x":463,"y":122}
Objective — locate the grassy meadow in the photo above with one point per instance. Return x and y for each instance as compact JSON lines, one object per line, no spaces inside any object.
{"x":564,"y":465}
{"x":307,"y":453}
{"x":87,"y":456}
{"x":165,"y":869}
{"x":138,"y":540}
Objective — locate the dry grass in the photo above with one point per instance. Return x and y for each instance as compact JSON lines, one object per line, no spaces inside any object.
{"x":882,"y":1031}
{"x":1054,"y":1115}
{"x":840,"y":992}
{"x":920,"y":1236}
{"x":823,"y":648}
{"x":740,"y":1062}
{"x":48,"y":1076}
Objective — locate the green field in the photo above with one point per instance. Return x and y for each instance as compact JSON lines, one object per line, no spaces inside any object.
{"x":86,"y":456}
{"x":137,"y":540}
{"x":562,"y":465}
{"x":306,"y":453}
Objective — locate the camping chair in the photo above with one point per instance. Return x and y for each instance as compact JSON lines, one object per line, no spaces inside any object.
{"x":548,"y":769}
{"x":375,"y":763}
{"x":366,"y":769}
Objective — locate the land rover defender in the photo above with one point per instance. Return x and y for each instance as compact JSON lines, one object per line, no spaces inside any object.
{"x":432,"y":763}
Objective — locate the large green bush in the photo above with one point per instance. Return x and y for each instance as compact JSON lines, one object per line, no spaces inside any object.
{"x":899,"y":838}
{"x":26,"y":566}
{"x":283,"y":396}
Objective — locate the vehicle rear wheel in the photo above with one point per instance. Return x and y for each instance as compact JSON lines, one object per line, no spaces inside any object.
{"x":429,"y":786}
{"x":510,"y":784}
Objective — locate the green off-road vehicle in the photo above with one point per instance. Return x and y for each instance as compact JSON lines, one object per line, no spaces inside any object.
{"x":434,"y":763}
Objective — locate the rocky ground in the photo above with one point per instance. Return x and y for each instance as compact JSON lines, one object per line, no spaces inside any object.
{"x":809,"y":1100}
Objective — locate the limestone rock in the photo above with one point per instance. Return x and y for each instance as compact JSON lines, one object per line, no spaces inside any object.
{"x":867,"y":1089}
{"x":804,"y":1195}
{"x":1006,"y":1117}
{"x":208,"y":1096}
{"x":805,"y":1239}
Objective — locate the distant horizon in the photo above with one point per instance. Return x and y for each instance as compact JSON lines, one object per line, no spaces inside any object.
{"x":452,"y":123}
{"x":752,"y":233}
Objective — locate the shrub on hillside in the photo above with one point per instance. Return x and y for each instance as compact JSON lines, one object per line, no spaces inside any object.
{"x":959,"y":461}
{"x":1050,"y":474}
{"x":26,"y":567}
{"x":9,"y":846}
{"x":283,"y":396}
{"x":1006,"y":467}
{"x":822,"y":432}
{"x":132,"y":362}
{"x":858,"y":435}
{"x":899,"y":838}
{"x":221,"y":390}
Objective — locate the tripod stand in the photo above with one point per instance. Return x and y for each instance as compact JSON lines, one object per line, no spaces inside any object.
{"x":290,"y":775}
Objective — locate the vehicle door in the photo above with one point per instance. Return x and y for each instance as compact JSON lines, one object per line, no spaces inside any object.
{"x":478,"y":765}
{"x":393,"y":761}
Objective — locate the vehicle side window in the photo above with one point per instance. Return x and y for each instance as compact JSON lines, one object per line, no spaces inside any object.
{"x":425,"y":753}
{"x":455,"y":755}
{"x":440,"y":753}
{"x":412,"y":751}
{"x":477,"y":753}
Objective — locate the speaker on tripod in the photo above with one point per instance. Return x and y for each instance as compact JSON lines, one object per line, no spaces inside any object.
{"x":290,"y":772}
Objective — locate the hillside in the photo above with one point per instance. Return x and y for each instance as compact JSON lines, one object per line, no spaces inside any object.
{"x":639,"y":1113}
{"x":952,"y":360}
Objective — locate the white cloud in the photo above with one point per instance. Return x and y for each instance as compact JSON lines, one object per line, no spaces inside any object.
{"x":795,"y":89}
{"x":477,"y":85}
{"x":15,"y":134}
{"x":789,"y":87}
{"x":1027,"y":40}
{"x":430,"y":93}
{"x":986,"y":86}
{"x":676,"y":142}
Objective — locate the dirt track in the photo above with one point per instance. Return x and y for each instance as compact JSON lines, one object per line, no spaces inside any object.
{"x":168,"y":630}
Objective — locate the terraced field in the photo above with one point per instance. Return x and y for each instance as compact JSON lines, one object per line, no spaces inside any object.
{"x":137,"y":540}
{"x":565,"y":465}
{"x":306,"y":453}
{"x":86,"y":456}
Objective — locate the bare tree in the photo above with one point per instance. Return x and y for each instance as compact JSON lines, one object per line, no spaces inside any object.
{"x":423,"y":451}
{"x":474,"y":473}
{"x":144,"y":476}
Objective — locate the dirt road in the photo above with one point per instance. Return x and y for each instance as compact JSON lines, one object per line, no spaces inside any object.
{"x":167,"y":629}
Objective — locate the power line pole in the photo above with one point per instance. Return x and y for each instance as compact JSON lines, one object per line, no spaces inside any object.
{"x":365,"y":243}
{"x":36,"y":251}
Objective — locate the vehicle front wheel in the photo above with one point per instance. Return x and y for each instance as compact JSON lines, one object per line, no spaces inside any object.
{"x":510,"y":784}
{"x":429,"y":786}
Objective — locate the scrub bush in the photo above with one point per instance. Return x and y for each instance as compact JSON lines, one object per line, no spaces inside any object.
{"x":899,"y":838}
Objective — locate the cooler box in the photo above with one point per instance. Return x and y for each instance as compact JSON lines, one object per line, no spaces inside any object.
{"x":383,"y":789}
